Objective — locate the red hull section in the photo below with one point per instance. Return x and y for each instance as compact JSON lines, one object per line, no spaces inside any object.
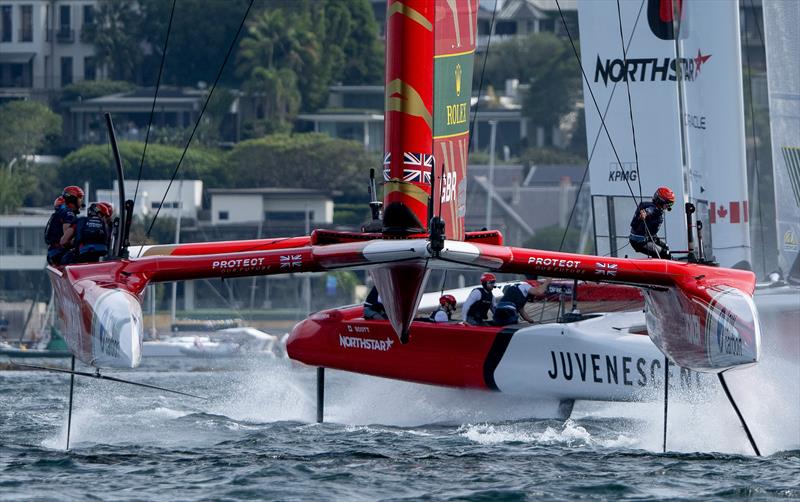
{"x":466,"y":357}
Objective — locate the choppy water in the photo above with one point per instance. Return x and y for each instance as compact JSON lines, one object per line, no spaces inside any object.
{"x":254,"y":439}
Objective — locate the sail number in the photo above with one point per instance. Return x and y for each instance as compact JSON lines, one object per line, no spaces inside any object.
{"x":449,"y":187}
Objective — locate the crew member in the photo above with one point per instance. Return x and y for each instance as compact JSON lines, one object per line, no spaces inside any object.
{"x":373,"y":308}
{"x":447,"y":305}
{"x":515,"y":296}
{"x":92,"y":234}
{"x":107,"y":213}
{"x":60,"y":231}
{"x":480,"y":301}
{"x":646,"y":222}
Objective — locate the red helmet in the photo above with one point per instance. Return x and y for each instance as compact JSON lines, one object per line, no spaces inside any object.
{"x":106,"y":209}
{"x":73,"y":191}
{"x":488,"y":277}
{"x":447,"y":300}
{"x":665,"y":197}
{"x":58,"y":202}
{"x":72,"y":195}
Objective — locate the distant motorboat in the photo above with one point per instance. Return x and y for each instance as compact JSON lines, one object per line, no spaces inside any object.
{"x":231,"y":342}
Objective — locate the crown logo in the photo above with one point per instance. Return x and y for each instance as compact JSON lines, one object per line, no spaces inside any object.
{"x":458,"y":79}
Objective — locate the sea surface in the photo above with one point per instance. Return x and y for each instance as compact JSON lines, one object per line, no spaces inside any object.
{"x":255,"y":438}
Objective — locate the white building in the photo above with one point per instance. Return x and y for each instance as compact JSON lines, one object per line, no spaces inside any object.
{"x":273,"y":205}
{"x":22,"y":244}
{"x":42,"y":47}
{"x":185,"y":196}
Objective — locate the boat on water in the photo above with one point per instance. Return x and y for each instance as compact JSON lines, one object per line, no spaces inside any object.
{"x":569,"y":356}
{"x":54,"y":347}
{"x":229,"y":342}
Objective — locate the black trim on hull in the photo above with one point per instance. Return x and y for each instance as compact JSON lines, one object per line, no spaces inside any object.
{"x":496,"y":352}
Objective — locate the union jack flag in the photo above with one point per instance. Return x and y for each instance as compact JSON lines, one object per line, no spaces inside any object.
{"x":417,"y":167}
{"x":291,"y":261}
{"x":606,"y":268}
{"x":418,"y":159}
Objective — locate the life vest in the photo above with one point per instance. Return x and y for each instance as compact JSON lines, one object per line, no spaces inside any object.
{"x":651,"y":224}
{"x":480,"y":309}
{"x":432,"y":317}
{"x":54,"y":230}
{"x":513,"y":294}
{"x":91,"y":230}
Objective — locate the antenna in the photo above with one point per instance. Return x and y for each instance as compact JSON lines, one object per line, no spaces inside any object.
{"x":375,"y":207}
{"x":692,"y":257}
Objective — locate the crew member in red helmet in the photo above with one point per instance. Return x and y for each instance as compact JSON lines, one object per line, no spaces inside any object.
{"x":447,"y":305}
{"x":480,"y":301}
{"x":515,"y":296}
{"x":647,"y":221}
{"x":60,"y":231}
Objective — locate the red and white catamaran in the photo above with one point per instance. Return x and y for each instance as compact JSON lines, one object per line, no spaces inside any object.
{"x":701,"y":317}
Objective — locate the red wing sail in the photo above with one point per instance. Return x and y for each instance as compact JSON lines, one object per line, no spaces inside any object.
{"x":455,"y":33}
{"x":430,"y":47}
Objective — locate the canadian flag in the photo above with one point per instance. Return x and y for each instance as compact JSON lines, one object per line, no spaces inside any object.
{"x":733,"y":212}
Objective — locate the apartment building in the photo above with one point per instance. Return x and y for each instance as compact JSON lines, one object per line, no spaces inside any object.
{"x":42,"y":47}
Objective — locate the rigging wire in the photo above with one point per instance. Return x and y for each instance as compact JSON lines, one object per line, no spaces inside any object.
{"x":155,"y":97}
{"x":630,"y":104}
{"x":753,"y":131}
{"x":200,"y":116}
{"x":475,"y":113}
{"x":483,"y":70}
{"x":596,"y":138}
{"x":597,"y":107}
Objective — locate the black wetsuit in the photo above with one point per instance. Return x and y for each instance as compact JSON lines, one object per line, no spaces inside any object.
{"x":91,"y":239}
{"x":643,"y":237}
{"x":53,"y":233}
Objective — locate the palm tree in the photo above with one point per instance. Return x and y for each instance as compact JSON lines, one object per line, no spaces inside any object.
{"x":281,"y":61}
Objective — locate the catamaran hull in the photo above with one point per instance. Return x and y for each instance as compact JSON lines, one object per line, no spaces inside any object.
{"x":595,"y":359}
{"x":102,"y":325}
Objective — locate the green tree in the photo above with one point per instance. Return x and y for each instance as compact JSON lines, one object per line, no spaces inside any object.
{"x":282,"y":63}
{"x":353,"y":50}
{"x":93,"y":163}
{"x":14,"y":187}
{"x":546,"y":64}
{"x":117,"y":34}
{"x":88,"y":89}
{"x":301,"y":161}
{"x":25,"y":126}
{"x":202,"y":31}
{"x":551,"y":156}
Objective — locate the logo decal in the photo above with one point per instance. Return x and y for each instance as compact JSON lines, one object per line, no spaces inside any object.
{"x":238,"y":264}
{"x":291,"y":261}
{"x":605,"y":268}
{"x":649,"y":69}
{"x":354,"y":342}
{"x":458,"y":72}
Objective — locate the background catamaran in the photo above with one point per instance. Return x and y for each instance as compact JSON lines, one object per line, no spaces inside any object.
{"x":701,"y":317}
